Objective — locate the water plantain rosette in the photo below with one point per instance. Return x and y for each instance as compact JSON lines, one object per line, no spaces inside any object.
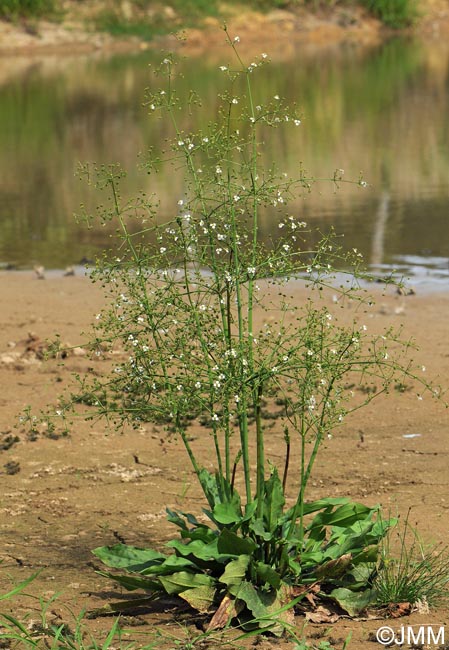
{"x":256,"y":569}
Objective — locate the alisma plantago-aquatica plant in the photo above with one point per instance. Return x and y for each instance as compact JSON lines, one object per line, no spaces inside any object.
{"x":187,"y":297}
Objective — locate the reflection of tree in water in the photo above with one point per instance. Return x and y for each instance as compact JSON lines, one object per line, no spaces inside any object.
{"x":376,"y":110}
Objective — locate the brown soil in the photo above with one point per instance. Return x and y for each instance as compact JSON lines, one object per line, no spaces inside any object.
{"x":96,"y":486}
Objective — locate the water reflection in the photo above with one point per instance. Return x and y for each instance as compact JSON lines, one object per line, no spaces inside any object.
{"x":382,"y":111}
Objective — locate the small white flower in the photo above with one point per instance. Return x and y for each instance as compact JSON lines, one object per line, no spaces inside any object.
{"x":190,"y":146}
{"x":236,"y":39}
{"x":179,"y":387}
{"x":311,"y":403}
{"x":218,"y":170}
{"x":264,"y":55}
{"x":286,"y":247}
{"x":281,"y":225}
{"x":166,"y":61}
{"x":223,"y":68}
{"x":197,"y":384}
{"x":162,"y":249}
{"x":236,"y":399}
{"x":235,"y":100}
{"x":423,"y":368}
{"x":251,"y":270}
{"x":363,"y":184}
{"x":152,"y":107}
{"x":297,"y":122}
{"x":216,"y":384}
{"x":236,"y":198}
{"x":205,"y":140}
{"x":215,"y":417}
{"x":180,"y":143}
{"x":276,"y":97}
{"x":202,"y":307}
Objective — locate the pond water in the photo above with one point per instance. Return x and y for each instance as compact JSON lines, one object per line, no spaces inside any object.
{"x":383,"y":112}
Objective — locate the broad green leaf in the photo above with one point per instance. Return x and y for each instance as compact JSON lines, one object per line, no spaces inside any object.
{"x":358,"y":577}
{"x":314,"y":506}
{"x":171,"y":565}
{"x":248,"y":593}
{"x":272,"y":610}
{"x":235,"y":572}
{"x":133,"y":582}
{"x":179,"y":582}
{"x":131,"y":558}
{"x":257,"y":527}
{"x":353,"y":602}
{"x":200,"y":598}
{"x":367,"y":554}
{"x":274,"y":502}
{"x":344,"y":515}
{"x":227,"y":513}
{"x":196,"y":549}
{"x":192,"y":519}
{"x":267,"y":574}
{"x":295,"y":567}
{"x":217,"y":489}
{"x":203,"y":534}
{"x":209,"y":484}
{"x":333,"y":568}
{"x":175,"y":518}
{"x":250,"y":509}
{"x":230,"y":543}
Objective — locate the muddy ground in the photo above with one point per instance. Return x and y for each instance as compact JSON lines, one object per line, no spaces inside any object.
{"x":59,"y":498}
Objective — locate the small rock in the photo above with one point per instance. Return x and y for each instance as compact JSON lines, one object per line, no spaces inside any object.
{"x":69,"y":271}
{"x":40,"y":272}
{"x":9,"y":359}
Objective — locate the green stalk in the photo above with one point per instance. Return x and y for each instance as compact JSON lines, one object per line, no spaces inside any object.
{"x":260,"y":471}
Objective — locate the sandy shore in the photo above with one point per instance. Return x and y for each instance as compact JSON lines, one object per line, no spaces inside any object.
{"x":72,"y":494}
